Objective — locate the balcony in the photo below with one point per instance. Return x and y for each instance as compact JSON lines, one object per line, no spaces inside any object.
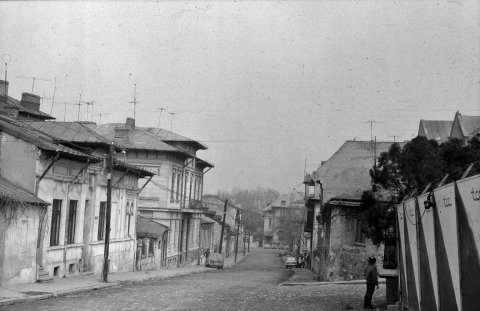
{"x":195,"y":204}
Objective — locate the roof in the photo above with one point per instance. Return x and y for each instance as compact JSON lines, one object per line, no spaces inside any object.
{"x":148,"y":228}
{"x":12,"y":102}
{"x":470,"y":125}
{"x":438,"y":130}
{"x":171,"y":136}
{"x":69,"y":132}
{"x":348,"y":168}
{"x":138,"y":138}
{"x":40,"y":139}
{"x":203,"y":163}
{"x":132,"y":168}
{"x":13,"y":192}
{"x":206,"y":220}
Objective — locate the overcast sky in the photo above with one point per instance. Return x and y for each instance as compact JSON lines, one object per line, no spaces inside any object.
{"x":264,"y":84}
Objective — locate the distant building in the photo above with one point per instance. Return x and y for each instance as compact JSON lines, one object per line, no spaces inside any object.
{"x":435,"y":129}
{"x":284,"y":220}
{"x":465,"y":127}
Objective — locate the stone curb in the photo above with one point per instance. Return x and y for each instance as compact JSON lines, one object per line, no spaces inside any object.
{"x":354,"y":282}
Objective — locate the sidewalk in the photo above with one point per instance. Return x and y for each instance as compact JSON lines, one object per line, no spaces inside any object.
{"x":76,"y":284}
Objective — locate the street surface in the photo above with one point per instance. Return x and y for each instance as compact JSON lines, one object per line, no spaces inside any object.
{"x":249,"y":285}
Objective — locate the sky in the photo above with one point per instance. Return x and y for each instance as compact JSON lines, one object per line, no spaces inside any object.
{"x":271,"y":87}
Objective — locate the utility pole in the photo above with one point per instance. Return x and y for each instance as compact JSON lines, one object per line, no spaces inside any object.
{"x":237,"y":221}
{"x":223,"y":226}
{"x":106,"y":261}
{"x":249,"y":241}
{"x":243,"y":238}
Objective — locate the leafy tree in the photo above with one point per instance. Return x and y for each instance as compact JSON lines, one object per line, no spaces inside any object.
{"x":402,"y":171}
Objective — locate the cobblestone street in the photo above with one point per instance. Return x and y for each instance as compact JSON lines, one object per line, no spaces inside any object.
{"x":251,"y":284}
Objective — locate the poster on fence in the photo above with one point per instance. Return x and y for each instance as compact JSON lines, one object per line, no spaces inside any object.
{"x":428,"y":255}
{"x":468,"y":204}
{"x":446,"y":238}
{"x":411,"y":252}
{"x":401,"y":234}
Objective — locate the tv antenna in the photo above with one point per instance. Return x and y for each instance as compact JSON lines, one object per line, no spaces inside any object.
{"x":89,"y":103}
{"x":171,"y":120}
{"x":371,"y":127}
{"x":34,"y":78}
{"x":134,"y":102}
{"x":65,"y":109}
{"x":53,"y":97}
{"x":160,"y":115}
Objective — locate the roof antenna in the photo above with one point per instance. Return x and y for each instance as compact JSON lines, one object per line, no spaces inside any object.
{"x":34,"y":78}
{"x":4,"y":58}
{"x":160,"y":116}
{"x":171,"y":121}
{"x":53,"y":97}
{"x":134,"y":102}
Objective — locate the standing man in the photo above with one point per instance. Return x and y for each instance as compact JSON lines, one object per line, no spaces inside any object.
{"x":371,"y":275}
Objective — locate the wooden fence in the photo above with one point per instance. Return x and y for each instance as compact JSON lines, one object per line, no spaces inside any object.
{"x":439,"y":248}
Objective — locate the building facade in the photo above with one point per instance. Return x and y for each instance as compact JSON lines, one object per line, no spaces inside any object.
{"x":172,"y":197}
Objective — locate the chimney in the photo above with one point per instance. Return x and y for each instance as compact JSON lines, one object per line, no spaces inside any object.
{"x":121,"y":135}
{"x":130,"y":124}
{"x":3,"y":87}
{"x":30,"y":101}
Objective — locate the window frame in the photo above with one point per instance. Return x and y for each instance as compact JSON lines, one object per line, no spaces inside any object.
{"x":72,"y":221}
{"x":55,"y":222}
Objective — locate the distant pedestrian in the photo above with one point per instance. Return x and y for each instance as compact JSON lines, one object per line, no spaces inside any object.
{"x":207,"y":253}
{"x":371,"y":276}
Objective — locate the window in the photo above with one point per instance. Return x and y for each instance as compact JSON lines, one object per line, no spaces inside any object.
{"x":144,"y":248}
{"x":195,"y":189}
{"x":172,"y":188}
{"x":72,"y":220}
{"x":55,"y":228}
{"x":360,"y":234}
{"x":178,"y":185}
{"x":101,"y":220}
{"x":151,"y":247}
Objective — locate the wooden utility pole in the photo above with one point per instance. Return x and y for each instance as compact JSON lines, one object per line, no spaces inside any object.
{"x":106,"y":261}
{"x":223,"y":226}
{"x":237,"y":221}
{"x":249,"y":241}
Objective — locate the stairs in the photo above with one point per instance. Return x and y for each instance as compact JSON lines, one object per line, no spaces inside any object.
{"x":44,"y":276}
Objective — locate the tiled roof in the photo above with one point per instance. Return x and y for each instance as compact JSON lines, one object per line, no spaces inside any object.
{"x":38,"y":138}
{"x":137,"y":139}
{"x":15,"y":103}
{"x":69,"y":131}
{"x":470,"y":125}
{"x":171,"y":136}
{"x":434,"y":129}
{"x":17,"y":193}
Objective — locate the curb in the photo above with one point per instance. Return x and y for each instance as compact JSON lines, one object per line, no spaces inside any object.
{"x":354,"y":282}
